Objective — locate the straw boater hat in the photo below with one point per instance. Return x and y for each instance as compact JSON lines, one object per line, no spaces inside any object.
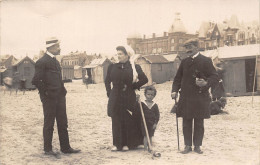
{"x":51,"y":41}
{"x":192,"y":41}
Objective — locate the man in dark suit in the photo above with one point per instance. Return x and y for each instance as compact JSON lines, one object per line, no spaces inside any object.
{"x":194,"y":77}
{"x":48,"y":80}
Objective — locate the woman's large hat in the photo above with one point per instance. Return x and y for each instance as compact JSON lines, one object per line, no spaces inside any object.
{"x":51,"y":41}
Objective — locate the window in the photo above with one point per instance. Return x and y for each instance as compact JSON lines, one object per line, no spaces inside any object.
{"x":230,"y":38}
{"x":172,"y":41}
{"x":181,"y":48}
{"x":208,"y":35}
{"x":172,"y":48}
{"x":26,"y":62}
{"x":242,"y":36}
{"x":207,"y":45}
{"x":214,"y":43}
{"x":27,"y":71}
{"x":159,"y":50}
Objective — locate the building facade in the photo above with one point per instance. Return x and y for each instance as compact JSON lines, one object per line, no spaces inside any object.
{"x":171,"y":42}
{"x":77,"y":58}
{"x":72,"y":61}
{"x":211,"y":36}
{"x":228,"y":33}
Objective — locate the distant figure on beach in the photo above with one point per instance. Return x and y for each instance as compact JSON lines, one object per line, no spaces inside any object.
{"x":48,"y":80}
{"x":194,"y":77}
{"x":218,"y":90}
{"x":23,"y":85}
{"x":86,"y":80}
{"x":8,"y":83}
{"x":16,"y":81}
{"x":151,"y":113}
{"x":122,"y":101}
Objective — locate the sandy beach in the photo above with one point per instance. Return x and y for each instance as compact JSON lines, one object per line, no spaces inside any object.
{"x":231,"y":139}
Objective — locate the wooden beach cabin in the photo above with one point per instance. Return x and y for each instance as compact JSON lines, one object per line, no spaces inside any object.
{"x":26,"y":68}
{"x":67,"y":72}
{"x":156,"y":67}
{"x":96,"y":70}
{"x":240,"y":62}
{"x":6,"y":62}
{"x":175,"y":63}
{"x":77,"y":72}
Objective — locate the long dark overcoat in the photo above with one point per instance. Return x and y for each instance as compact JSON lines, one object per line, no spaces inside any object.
{"x":194,"y":101}
{"x":122,"y":103}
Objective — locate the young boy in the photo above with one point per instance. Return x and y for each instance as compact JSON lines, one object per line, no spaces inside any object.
{"x":151,"y":113}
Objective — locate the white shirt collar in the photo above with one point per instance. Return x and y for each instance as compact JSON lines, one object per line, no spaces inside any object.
{"x":195,"y":55}
{"x":147,"y":104}
{"x":50,"y":54}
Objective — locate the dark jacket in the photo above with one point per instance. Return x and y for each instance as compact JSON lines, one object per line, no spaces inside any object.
{"x":194,"y":101}
{"x":47,"y":77}
{"x":123,"y":91}
{"x":218,"y":90}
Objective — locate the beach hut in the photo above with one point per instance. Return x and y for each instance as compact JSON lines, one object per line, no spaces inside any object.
{"x":2,"y":70}
{"x":67,"y":72}
{"x":175,"y":61}
{"x":77,"y":72}
{"x":240,"y":63}
{"x":26,"y":68}
{"x":156,"y":67}
{"x":96,"y":70}
{"x":6,"y":62}
{"x":213,"y":54}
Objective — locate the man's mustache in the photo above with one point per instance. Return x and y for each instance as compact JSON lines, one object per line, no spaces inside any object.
{"x":190,"y":51}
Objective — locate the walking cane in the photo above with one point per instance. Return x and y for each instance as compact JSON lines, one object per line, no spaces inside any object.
{"x":145,"y":126}
{"x":177,"y":128}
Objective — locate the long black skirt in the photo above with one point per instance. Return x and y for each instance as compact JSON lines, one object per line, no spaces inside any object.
{"x":126,"y":129}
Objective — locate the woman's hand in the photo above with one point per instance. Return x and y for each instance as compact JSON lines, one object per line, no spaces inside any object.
{"x":137,"y":97}
{"x":174,"y":95}
{"x":201,"y":82}
{"x":154,"y":126}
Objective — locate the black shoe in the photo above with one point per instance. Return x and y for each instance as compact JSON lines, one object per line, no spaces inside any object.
{"x":186,"y":150}
{"x":51,"y":153}
{"x":70,"y":151}
{"x":198,"y":150}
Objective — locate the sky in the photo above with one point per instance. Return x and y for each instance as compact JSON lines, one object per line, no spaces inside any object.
{"x":99,"y":26}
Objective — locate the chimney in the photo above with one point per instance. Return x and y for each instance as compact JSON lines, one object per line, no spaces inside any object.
{"x":153,"y":35}
{"x":144,"y":36}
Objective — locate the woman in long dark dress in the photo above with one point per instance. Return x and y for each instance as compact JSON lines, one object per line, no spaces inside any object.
{"x":122,"y":102}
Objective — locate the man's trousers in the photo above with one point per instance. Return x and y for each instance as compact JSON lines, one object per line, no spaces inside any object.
{"x":197,"y":134}
{"x":55,"y":108}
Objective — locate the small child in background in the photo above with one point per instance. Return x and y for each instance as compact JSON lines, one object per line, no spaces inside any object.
{"x":151,"y":113}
